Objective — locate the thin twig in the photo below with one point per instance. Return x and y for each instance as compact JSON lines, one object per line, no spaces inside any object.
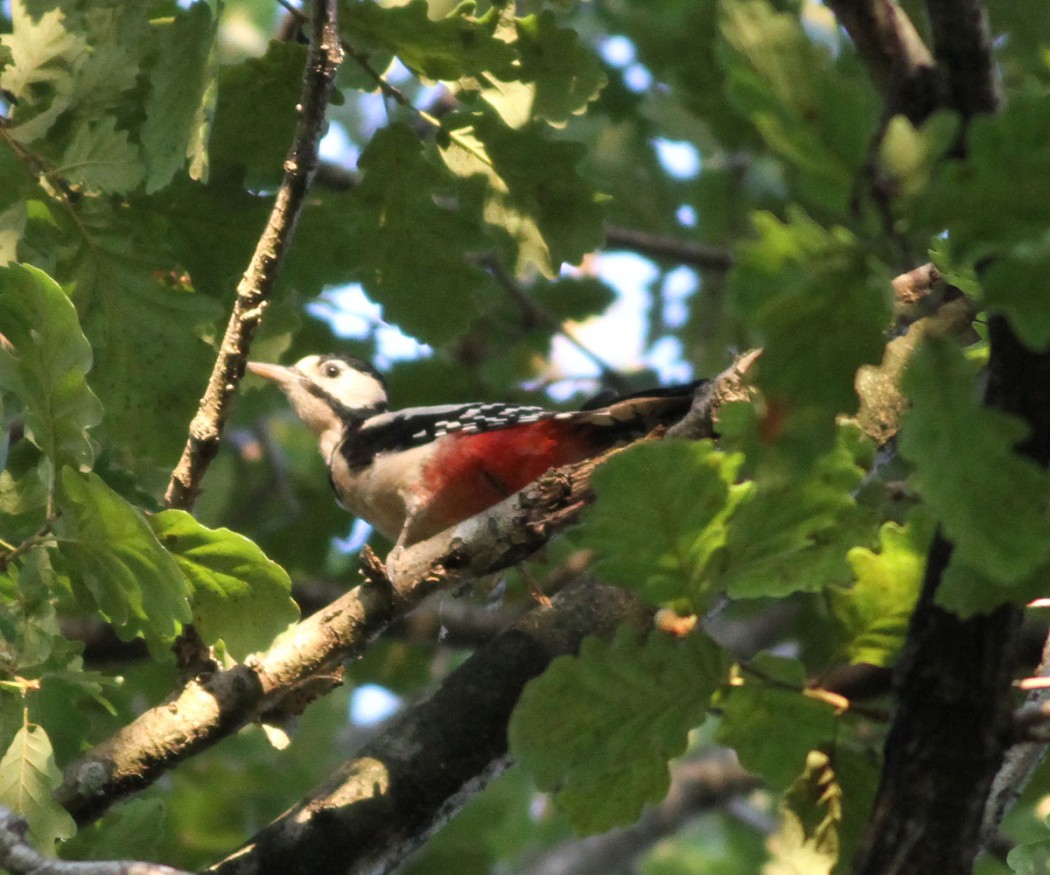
{"x":535,"y":313}
{"x":9,"y":556}
{"x":698,"y":255}
{"x":259,"y":279}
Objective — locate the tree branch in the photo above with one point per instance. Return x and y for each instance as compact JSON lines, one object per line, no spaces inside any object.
{"x":954,"y":719}
{"x":260,"y":277}
{"x":18,"y":857}
{"x":698,"y":255}
{"x":947,"y":736}
{"x":896,"y":57}
{"x":388,"y":799}
{"x":962,"y":45}
{"x":1022,"y":759}
{"x":208,"y":709}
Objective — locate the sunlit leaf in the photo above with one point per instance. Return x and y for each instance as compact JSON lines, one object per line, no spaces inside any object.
{"x":116,"y":561}
{"x":237,"y":593}
{"x":875,"y":611}
{"x":47,"y":365}
{"x":39,"y":49}
{"x":28,"y":775}
{"x":541,"y":210}
{"x":438,"y":48}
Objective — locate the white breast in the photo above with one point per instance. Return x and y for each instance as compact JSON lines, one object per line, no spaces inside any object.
{"x":383,"y":493}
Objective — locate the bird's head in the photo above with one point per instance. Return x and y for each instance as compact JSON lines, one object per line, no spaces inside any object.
{"x":328,"y":392}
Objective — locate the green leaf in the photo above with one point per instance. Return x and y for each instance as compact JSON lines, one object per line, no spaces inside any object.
{"x":40,"y":50}
{"x":978,"y":200}
{"x":967,"y":590}
{"x":557,"y":76}
{"x":181,"y":86}
{"x":773,"y":728}
{"x":133,"y":829}
{"x":25,"y":495}
{"x":87,"y":86}
{"x":531,"y":194}
{"x":47,"y":366}
{"x":1013,"y":285}
{"x":440,"y":49}
{"x":255,"y":115}
{"x":101,"y":158}
{"x":1031,"y":858}
{"x":28,"y":775}
{"x":819,"y":304}
{"x":413,"y":252}
{"x":991,"y":501}
{"x":151,"y":366}
{"x":810,"y":817}
{"x":791,"y":529}
{"x":28,"y":622}
{"x":598,"y":729}
{"x":573,"y":297}
{"x":659,"y":515}
{"x":875,"y":611}
{"x":117,"y":562}
{"x":15,"y":186}
{"x":238,"y":594}
{"x":910,"y":155}
{"x":818,"y":121}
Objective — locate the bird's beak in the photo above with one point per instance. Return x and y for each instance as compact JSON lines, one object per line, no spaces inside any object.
{"x":278,"y":374}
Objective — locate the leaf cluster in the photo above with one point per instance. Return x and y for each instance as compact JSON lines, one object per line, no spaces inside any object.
{"x":489,"y":151}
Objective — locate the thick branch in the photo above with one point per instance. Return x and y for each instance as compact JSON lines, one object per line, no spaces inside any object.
{"x":1022,"y":759}
{"x":954,"y":718}
{"x":206,"y":710}
{"x":388,"y":799}
{"x":962,"y":44}
{"x":18,"y":857}
{"x":947,"y":738}
{"x":896,"y":57}
{"x":258,"y":281}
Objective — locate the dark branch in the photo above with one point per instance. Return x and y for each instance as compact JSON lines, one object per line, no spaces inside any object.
{"x":698,"y":255}
{"x":257,"y":283}
{"x":387,"y":800}
{"x":896,"y":57}
{"x":947,"y":739}
{"x":962,"y":45}
{"x":955,"y":719}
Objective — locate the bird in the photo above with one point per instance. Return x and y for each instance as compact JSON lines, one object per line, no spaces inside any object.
{"x":415,"y":472}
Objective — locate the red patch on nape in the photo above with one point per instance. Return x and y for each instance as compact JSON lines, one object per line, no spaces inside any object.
{"x":472,"y":472}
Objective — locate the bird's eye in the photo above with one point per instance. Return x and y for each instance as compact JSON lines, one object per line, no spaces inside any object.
{"x":330,"y":370}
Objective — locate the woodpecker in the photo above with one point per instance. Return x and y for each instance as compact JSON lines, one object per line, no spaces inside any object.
{"x":412,"y":473}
